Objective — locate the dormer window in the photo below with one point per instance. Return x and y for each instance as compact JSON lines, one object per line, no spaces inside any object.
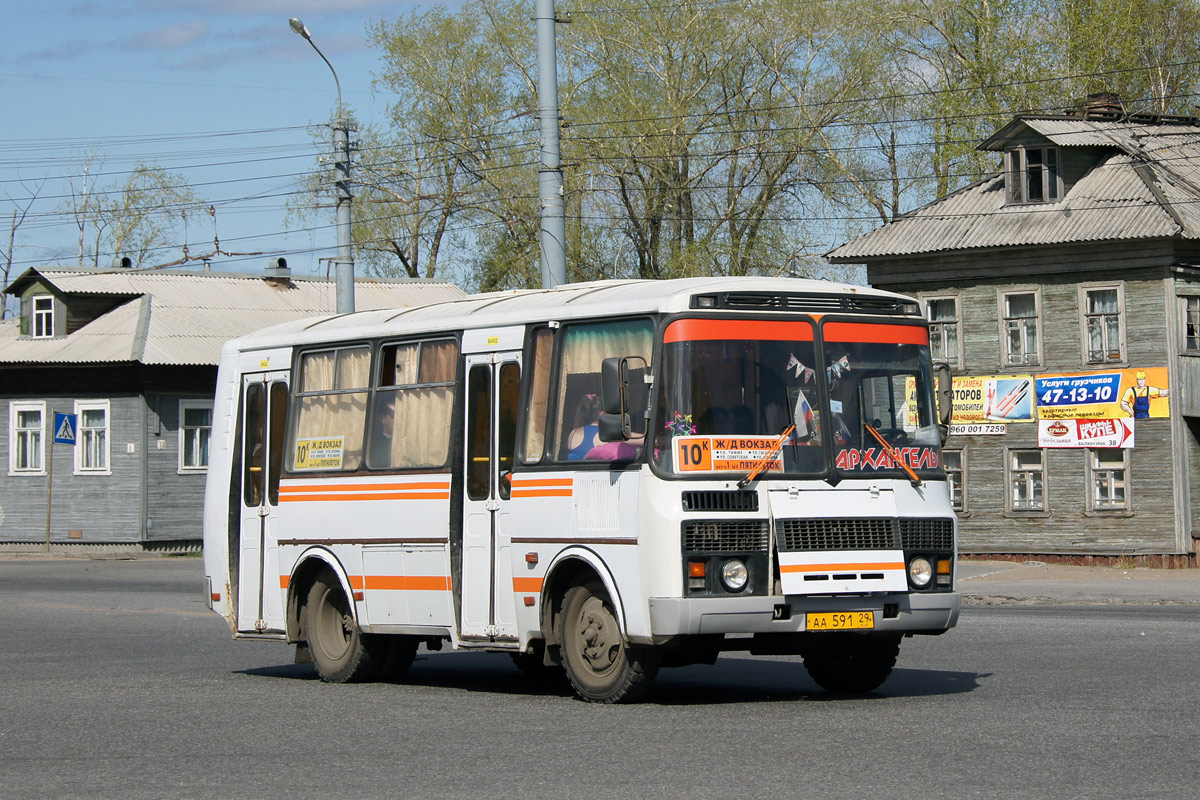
{"x":1033,"y":175}
{"x":43,"y":316}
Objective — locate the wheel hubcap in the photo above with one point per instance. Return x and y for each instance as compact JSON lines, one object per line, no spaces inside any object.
{"x":596,"y":636}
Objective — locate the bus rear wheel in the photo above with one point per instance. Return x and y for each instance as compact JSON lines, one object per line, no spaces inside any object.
{"x":601,"y":665}
{"x":340,"y":652}
{"x":849,"y":663}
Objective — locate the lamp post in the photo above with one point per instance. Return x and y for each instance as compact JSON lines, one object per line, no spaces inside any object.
{"x":344,"y":264}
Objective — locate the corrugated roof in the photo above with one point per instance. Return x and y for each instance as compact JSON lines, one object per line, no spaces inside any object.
{"x":184,"y":319}
{"x":1110,"y":202}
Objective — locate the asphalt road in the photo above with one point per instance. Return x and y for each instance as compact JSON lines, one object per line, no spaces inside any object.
{"x":117,"y":682}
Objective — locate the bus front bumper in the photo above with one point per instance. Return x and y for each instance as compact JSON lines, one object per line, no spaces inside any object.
{"x":934,"y":612}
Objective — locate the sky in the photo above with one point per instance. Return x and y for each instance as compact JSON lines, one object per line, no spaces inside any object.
{"x":222,"y":92}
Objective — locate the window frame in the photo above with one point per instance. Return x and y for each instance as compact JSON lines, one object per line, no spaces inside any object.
{"x":186,"y":405}
{"x":1017,"y":174}
{"x":80,"y":439}
{"x":1084,"y":341}
{"x":1093,"y":507}
{"x":956,"y":298}
{"x":36,"y":316}
{"x":961,"y":471}
{"x":297,"y":414}
{"x":1002,"y":296}
{"x":400,"y":392}
{"x":1010,"y":454}
{"x":14,"y":408}
{"x":1189,"y":298}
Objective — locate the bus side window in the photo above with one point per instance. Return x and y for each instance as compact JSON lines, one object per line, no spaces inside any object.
{"x":252,"y":477}
{"x":331,"y":408}
{"x":538,"y":406}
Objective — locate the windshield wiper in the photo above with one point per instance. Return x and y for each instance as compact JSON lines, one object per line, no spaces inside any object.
{"x":767,"y":460}
{"x":895,"y":456}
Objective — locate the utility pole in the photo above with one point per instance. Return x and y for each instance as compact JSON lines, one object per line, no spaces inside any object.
{"x":344,"y":263}
{"x":550,"y":177}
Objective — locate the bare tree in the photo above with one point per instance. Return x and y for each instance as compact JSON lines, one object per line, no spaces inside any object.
{"x":19,"y":213}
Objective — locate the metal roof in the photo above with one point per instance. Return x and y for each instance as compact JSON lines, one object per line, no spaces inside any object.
{"x":185,"y":318}
{"x":1147,"y":186}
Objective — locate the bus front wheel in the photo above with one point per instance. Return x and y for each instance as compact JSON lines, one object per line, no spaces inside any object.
{"x":340,"y":652}
{"x":601,"y":665}
{"x":849,"y":663}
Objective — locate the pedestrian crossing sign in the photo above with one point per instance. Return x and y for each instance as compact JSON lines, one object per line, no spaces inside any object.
{"x":64,"y":428}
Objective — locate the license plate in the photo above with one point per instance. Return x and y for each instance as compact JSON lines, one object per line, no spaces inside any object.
{"x":840,"y":621}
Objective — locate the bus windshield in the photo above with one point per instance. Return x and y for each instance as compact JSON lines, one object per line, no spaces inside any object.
{"x":736,"y":393}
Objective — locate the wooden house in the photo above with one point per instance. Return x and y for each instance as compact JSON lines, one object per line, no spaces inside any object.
{"x":133,"y":356}
{"x":1064,"y":291}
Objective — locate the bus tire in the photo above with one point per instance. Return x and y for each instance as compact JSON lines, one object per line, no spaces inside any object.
{"x":601,"y":666}
{"x":850,"y":663}
{"x":340,"y":652}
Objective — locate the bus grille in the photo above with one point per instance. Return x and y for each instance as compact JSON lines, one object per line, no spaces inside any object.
{"x":836,"y":534}
{"x":725,"y":536}
{"x":720,"y":501}
{"x":927,"y":534}
{"x":814,"y":303}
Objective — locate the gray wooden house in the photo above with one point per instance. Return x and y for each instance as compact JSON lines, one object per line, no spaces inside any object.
{"x":134,"y":356}
{"x":1064,"y":290}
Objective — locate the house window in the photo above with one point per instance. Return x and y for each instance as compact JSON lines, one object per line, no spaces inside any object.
{"x":43,"y":316}
{"x":942,"y":313}
{"x":195,"y":431}
{"x":1020,"y":324}
{"x":954,"y":462}
{"x":27,"y":438}
{"x":1108,"y":479}
{"x":91,"y":437}
{"x":1191,"y":324}
{"x":1033,"y":175}
{"x":1026,"y":481}
{"x":1103,"y":336}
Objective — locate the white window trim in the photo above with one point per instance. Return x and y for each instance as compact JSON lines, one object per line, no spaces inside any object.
{"x":1184,"y":295}
{"x":33,"y":315}
{"x":1001,"y":294}
{"x":183,"y":406}
{"x":91,"y":405}
{"x":1091,"y":496}
{"x":1084,"y":288}
{"x":25,"y":405}
{"x":962,"y":472}
{"x":958,"y":316}
{"x":1009,"y":510}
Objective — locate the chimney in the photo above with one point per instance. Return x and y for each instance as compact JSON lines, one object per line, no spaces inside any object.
{"x":122,"y":262}
{"x":1103,"y":106}
{"x":277,"y":272}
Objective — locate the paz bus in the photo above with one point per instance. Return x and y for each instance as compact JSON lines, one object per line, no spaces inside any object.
{"x":607,"y":477}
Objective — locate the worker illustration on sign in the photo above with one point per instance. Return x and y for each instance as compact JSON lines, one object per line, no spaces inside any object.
{"x":1136,"y":400}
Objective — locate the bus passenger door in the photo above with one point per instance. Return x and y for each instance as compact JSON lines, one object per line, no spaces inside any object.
{"x":488,"y":602}
{"x":260,"y":599}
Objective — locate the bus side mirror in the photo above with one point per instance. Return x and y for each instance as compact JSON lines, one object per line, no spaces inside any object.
{"x":945,"y":398}
{"x":614,"y":424}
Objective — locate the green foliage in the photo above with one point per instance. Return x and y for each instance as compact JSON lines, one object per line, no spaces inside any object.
{"x":707,"y":138}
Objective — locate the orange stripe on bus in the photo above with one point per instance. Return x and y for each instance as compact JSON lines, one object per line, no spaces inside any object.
{"x":420,"y":583}
{"x":527,"y":584}
{"x":338,"y":498}
{"x":840,"y":567}
{"x":690,"y":330}
{"x":876,"y":333}
{"x":350,"y":487}
{"x":526,"y":482}
{"x":284,"y":580}
{"x":541,"y":492}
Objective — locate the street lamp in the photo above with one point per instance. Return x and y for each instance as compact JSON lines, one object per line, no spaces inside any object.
{"x":344,"y":264}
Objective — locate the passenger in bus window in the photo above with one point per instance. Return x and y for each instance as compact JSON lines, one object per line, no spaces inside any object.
{"x":586,"y":433}
{"x":381,"y":431}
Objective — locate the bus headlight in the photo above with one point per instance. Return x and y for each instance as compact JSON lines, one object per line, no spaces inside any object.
{"x":734,"y":574}
{"x":920,"y":572}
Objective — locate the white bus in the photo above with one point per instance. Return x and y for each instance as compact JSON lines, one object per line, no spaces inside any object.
{"x":611,"y":477}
